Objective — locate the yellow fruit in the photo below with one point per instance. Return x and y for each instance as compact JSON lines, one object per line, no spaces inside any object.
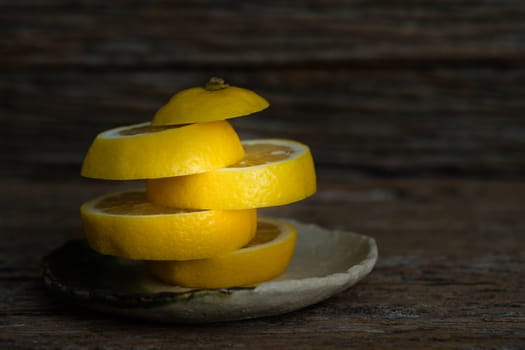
{"x":273,"y":172}
{"x":125,"y":224}
{"x":215,"y":101}
{"x":142,"y":151}
{"x":264,"y":258}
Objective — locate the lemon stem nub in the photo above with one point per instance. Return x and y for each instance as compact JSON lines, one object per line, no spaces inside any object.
{"x":215,"y":83}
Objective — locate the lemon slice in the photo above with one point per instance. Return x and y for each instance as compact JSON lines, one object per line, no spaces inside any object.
{"x":215,"y":101}
{"x":142,"y":151}
{"x":125,"y":224}
{"x":273,"y":172}
{"x":264,"y":258}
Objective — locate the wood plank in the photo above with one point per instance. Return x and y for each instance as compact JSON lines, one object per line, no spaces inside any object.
{"x":449,"y":273}
{"x":374,"y":122}
{"x":203,"y":34}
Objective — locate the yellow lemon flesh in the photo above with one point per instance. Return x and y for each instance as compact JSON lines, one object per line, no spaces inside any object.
{"x":142,"y":151}
{"x":125,"y":224}
{"x":264,"y":258}
{"x":273,"y":172}
{"x":218,"y":101}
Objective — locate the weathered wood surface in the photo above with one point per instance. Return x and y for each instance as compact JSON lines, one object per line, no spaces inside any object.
{"x":459,"y":121}
{"x":397,"y":88}
{"x":415,"y":113}
{"x":450,"y":273}
{"x":58,"y":33}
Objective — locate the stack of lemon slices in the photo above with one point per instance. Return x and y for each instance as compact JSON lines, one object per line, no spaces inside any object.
{"x":195,"y":224}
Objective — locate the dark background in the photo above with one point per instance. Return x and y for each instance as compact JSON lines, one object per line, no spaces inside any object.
{"x":377,"y":88}
{"x":414,"y":111}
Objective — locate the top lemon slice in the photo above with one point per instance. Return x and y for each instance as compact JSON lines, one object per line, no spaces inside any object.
{"x":265,"y":257}
{"x":126,"y":224}
{"x":215,"y":101}
{"x":273,"y":172}
{"x":143,"y":151}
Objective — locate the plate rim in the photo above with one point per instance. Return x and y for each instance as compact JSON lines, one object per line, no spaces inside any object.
{"x":118,"y":301}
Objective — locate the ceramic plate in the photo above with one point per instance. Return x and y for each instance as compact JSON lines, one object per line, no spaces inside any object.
{"x":325,"y":262}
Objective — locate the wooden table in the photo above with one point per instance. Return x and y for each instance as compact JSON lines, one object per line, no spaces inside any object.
{"x":415,"y":113}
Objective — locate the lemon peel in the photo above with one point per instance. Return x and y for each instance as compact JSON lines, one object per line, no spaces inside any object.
{"x":215,"y":101}
{"x":273,"y":172}
{"x":125,"y":224}
{"x":142,"y":151}
{"x":264,"y":258}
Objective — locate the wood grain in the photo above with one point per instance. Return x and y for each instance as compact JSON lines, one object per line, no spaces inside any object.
{"x":203,"y":33}
{"x":466,"y":122}
{"x":415,"y":113}
{"x":449,"y":273}
{"x":424,"y":88}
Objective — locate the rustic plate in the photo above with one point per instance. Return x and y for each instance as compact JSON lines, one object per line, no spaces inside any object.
{"x":325,"y":262}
